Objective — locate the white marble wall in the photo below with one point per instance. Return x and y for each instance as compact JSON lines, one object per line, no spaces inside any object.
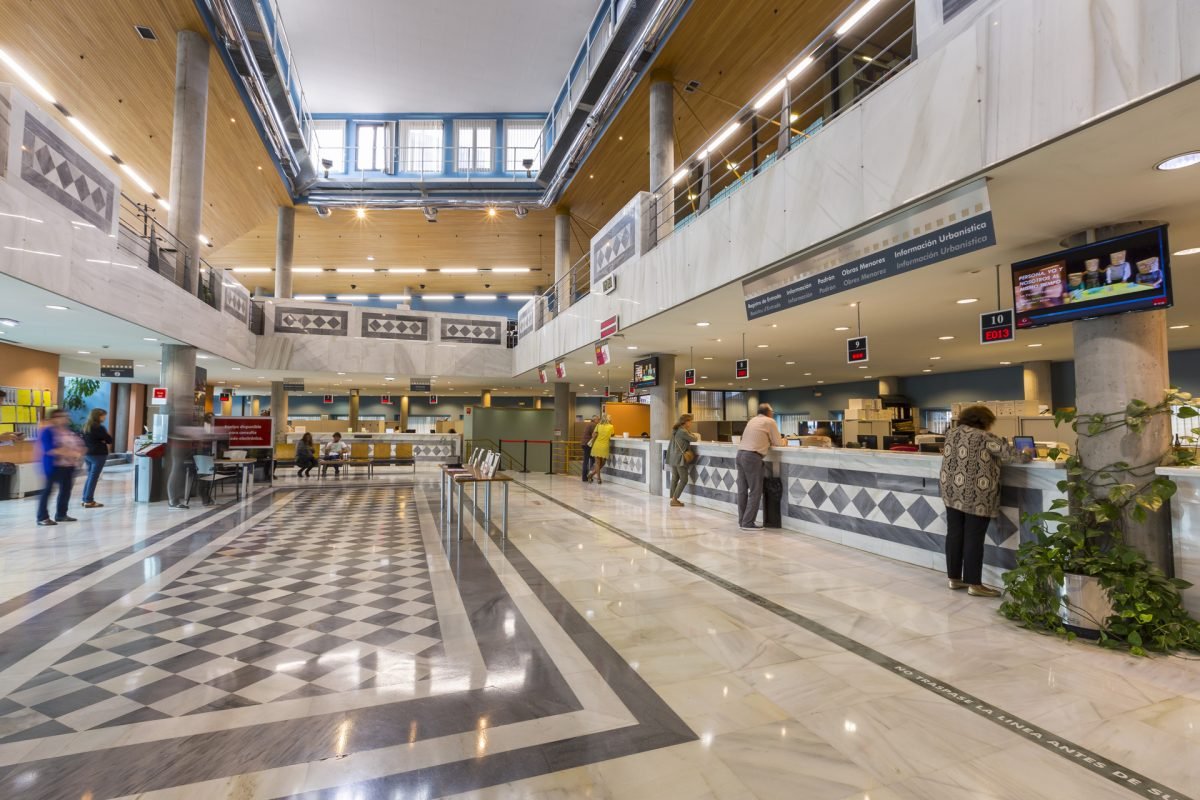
{"x":1185,"y":527}
{"x":299,"y":352}
{"x":1022,"y":73}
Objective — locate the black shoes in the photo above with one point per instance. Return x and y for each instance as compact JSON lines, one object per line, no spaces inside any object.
{"x":45,"y":523}
{"x":65,"y":519}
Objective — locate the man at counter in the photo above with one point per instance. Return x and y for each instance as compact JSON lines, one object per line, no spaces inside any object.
{"x":760,"y":435}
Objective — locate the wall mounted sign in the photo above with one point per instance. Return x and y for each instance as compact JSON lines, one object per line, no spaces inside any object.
{"x":158,"y":396}
{"x":602,"y":356}
{"x":116,"y":368}
{"x":622,"y":239}
{"x":606,"y":391}
{"x":226,"y":397}
{"x":856,"y":350}
{"x":996,"y":326}
{"x":433,"y":399}
{"x":741,"y":368}
{"x":327,"y":399}
{"x":293,"y":384}
{"x":385,"y":399}
{"x":246,"y":431}
{"x":689,"y":377}
{"x":419,"y":386}
{"x":609,"y":327}
{"x":560,"y":369}
{"x":951,"y":225}
{"x":542,"y":374}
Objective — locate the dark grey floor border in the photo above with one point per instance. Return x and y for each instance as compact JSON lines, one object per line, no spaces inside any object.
{"x":1093,"y":762}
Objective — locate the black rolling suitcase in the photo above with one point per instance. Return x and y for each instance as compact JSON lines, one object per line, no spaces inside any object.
{"x":772,"y":502}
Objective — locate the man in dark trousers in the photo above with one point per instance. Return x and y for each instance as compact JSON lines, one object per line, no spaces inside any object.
{"x":760,"y":435}
{"x":587,"y":448}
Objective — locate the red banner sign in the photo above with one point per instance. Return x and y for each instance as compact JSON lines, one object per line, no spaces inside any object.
{"x":245,"y":431}
{"x":609,"y":327}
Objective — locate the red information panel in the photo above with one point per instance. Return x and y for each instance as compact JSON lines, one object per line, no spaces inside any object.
{"x":433,"y":399}
{"x":245,"y":431}
{"x":741,"y":368}
{"x":689,"y":377}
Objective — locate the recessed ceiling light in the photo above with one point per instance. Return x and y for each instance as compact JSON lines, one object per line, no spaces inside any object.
{"x":249,"y":270}
{"x":370,"y":258}
{"x":1005,"y":363}
{"x":361,"y":213}
{"x":945,"y":338}
{"x":1035,"y":344}
{"x":510,"y":270}
{"x":458,"y":270}
{"x":631,"y":347}
{"x":341,"y":373}
{"x":1180,"y":161}
{"x":84,"y":352}
{"x":808,"y":374}
{"x":763,"y":346}
{"x":407,"y":270}
{"x":203,"y":357}
{"x":703,"y":377}
{"x":842,"y":328}
{"x":308,"y":270}
{"x":820,"y":381}
{"x":389,"y":379}
{"x":702,"y":324}
{"x":1191,"y":251}
{"x":9,"y":323}
{"x":355,"y":271}
{"x":149,"y":339}
{"x":1179,"y":327}
{"x":766,"y":379}
{"x":236,"y":369}
{"x":863,"y":366}
{"x":967,"y":301}
{"x":708,"y":358}
{"x":935,"y":358}
{"x":790,"y":363}
{"x":926,"y":370}
{"x":140,"y":366}
{"x":57,"y":308}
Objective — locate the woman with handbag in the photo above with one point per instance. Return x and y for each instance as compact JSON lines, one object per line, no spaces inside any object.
{"x":600,"y":442}
{"x":680,"y":455}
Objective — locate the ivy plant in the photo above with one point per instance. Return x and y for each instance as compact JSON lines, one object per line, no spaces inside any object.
{"x":1083,"y":533}
{"x":77,"y":391}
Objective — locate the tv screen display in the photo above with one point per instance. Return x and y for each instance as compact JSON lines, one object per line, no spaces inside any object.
{"x":645,"y":373}
{"x":1125,"y":273}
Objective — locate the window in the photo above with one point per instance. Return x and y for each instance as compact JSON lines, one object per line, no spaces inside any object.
{"x":421,"y":145}
{"x":521,"y":141}
{"x":371,"y":153}
{"x":935,"y":420}
{"x":329,"y":144}
{"x":473,"y":141}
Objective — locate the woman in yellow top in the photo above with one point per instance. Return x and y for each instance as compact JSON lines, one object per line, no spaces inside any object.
{"x":600,"y":441}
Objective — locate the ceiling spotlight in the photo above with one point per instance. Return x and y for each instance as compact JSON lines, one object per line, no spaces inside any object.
{"x":522,"y":212}
{"x":491,"y":212}
{"x":430,"y":213}
{"x":361,"y":213}
{"x":1180,"y":161}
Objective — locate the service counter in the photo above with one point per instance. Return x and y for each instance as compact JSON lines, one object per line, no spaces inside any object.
{"x":433,"y":448}
{"x":1185,"y":530}
{"x":879,"y":501}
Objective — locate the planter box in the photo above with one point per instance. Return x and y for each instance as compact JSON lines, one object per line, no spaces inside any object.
{"x":1084,"y":605}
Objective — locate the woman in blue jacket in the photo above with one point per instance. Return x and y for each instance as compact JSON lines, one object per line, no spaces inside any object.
{"x":61,"y":451}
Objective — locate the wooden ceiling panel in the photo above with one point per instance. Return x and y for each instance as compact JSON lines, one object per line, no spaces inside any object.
{"x":733,"y":50}
{"x":86,"y":53}
{"x":402,"y":238}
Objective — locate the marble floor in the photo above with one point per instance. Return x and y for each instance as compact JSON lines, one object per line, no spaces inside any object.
{"x":333,"y":639}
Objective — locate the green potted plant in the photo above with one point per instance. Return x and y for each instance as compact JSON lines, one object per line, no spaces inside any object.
{"x":1078,"y":575}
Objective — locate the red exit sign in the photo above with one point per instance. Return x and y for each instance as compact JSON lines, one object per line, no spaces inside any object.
{"x":996,"y":326}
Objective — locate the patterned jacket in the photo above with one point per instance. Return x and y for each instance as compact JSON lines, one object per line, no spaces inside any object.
{"x":971,"y":470}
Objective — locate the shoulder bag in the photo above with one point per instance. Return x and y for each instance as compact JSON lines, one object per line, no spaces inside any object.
{"x":688,"y":454}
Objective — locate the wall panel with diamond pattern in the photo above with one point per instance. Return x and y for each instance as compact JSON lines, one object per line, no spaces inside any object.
{"x":378,"y":325}
{"x":312,"y":321}
{"x":472,"y":330}
{"x":55,"y":168}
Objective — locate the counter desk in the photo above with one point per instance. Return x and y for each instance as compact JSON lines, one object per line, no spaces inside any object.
{"x":430,"y":448}
{"x":878,"y":501}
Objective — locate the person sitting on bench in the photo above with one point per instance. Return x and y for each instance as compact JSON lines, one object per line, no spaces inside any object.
{"x":332,"y":454}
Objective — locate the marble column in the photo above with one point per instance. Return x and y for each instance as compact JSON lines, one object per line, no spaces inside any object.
{"x":663,"y":410}
{"x":187,"y":153}
{"x":285,"y":240}
{"x":562,"y":256}
{"x":1119,"y":359}
{"x":354,"y":398}
{"x":178,"y":375}
{"x":537,"y":403}
{"x":254,"y":408}
{"x":662,"y":129}
{"x":279,"y":410}
{"x":486,"y":399}
{"x":564,"y":410}
{"x":1038,"y":389}
{"x":403,"y":413}
{"x":752,"y":402}
{"x":121,"y":418}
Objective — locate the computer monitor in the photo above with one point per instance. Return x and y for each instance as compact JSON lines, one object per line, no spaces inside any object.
{"x":891,"y":441}
{"x":929,"y":447}
{"x":1024,"y":444}
{"x":868,"y":440}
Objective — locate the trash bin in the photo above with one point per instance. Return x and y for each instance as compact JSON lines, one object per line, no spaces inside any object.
{"x":772,"y":502}
{"x":7,"y":472}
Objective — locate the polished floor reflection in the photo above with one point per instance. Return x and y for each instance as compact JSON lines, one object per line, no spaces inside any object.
{"x":332,"y":641}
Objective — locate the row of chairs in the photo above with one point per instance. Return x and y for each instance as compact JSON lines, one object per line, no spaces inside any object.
{"x":362,"y":454}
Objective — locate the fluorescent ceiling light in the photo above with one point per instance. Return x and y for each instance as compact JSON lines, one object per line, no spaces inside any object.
{"x":437,"y":297}
{"x":407,"y":270}
{"x":510,"y":269}
{"x":355,"y":271}
{"x":763,"y":346}
{"x":945,"y":338}
{"x":307,"y":270}
{"x":926,"y":370}
{"x":1180,"y":161}
{"x":91,"y":137}
{"x":519,"y":296}
{"x":394,"y":297}
{"x":149,"y":339}
{"x":631,"y":347}
{"x":856,"y":17}
{"x":57,"y":308}
{"x":678,"y":177}
{"x":84,"y":352}
{"x":25,"y":76}
{"x":479,"y":297}
{"x":1191,"y":251}
{"x":138,"y":179}
{"x":702,"y":324}
{"x":204,"y":357}
{"x":458,"y":270}
{"x":310,"y":297}
{"x":1179,"y":327}
{"x":770,"y":94}
{"x":1035,"y":344}
{"x":967,"y":301}
{"x":789,"y":363}
{"x":351,"y":297}
{"x":9,"y":323}
{"x":796,"y":70}
{"x":841,"y":328}
{"x":722,"y":136}
{"x":252,"y":269}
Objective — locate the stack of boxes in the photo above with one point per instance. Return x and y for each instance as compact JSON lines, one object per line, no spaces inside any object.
{"x":863,"y":408}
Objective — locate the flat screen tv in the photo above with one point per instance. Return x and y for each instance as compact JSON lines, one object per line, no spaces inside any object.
{"x":1125,"y":273}
{"x":645,"y":372}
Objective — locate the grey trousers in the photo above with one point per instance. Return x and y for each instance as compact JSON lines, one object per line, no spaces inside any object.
{"x":750,"y":470}
{"x":679,"y":480}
